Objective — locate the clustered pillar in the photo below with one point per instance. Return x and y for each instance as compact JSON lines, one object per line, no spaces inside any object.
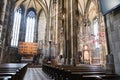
{"x":70,"y":31}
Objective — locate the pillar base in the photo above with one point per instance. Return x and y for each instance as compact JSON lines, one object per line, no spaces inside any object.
{"x":73,"y":63}
{"x":110,"y":68}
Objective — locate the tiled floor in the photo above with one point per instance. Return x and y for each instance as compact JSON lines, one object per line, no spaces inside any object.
{"x":35,"y":74}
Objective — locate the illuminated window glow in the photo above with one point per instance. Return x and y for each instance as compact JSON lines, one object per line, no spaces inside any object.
{"x":16,"y":27}
{"x":96,"y":28}
{"x":30,"y":25}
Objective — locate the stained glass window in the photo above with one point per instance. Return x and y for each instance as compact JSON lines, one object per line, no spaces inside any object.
{"x":96,"y":32}
{"x":30,"y":25}
{"x":16,"y":27}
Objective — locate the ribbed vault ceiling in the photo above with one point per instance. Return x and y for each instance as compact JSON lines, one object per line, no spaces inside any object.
{"x":36,"y":4}
{"x":85,"y":7}
{"x":88,"y":8}
{"x":82,"y":4}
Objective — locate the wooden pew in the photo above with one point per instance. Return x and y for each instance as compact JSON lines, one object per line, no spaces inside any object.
{"x":5,"y":78}
{"x":101,"y":77}
{"x":78,"y":73}
{"x":88,"y":73}
{"x":15,"y":70}
{"x":9,"y":72}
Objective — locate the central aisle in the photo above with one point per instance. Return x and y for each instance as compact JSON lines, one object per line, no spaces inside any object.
{"x":35,"y":74}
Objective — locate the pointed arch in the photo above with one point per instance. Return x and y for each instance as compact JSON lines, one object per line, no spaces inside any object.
{"x":88,"y":5}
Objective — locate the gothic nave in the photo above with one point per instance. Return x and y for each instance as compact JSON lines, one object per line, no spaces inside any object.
{"x":60,"y":39}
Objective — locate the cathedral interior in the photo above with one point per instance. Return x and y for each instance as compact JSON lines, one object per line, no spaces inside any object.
{"x":60,"y":39}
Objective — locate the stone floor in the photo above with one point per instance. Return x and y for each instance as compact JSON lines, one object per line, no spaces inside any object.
{"x":35,"y":74}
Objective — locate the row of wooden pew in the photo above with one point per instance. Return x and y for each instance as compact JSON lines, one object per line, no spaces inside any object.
{"x":12,"y":71}
{"x":82,"y":72}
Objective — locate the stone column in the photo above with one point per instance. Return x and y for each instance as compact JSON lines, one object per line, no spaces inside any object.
{"x":110,"y":65}
{"x":2,"y":17}
{"x":2,"y":20}
{"x":5,"y":17}
{"x":48,"y":24}
{"x":74,"y":23}
{"x":70,"y":33}
{"x":59,"y":24}
{"x":67,"y":31}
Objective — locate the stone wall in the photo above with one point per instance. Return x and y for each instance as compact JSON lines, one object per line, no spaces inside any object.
{"x":113,"y":26}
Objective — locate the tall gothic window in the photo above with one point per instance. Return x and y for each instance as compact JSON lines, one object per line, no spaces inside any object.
{"x":96,"y":32}
{"x":30,"y":25}
{"x":16,"y":27}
